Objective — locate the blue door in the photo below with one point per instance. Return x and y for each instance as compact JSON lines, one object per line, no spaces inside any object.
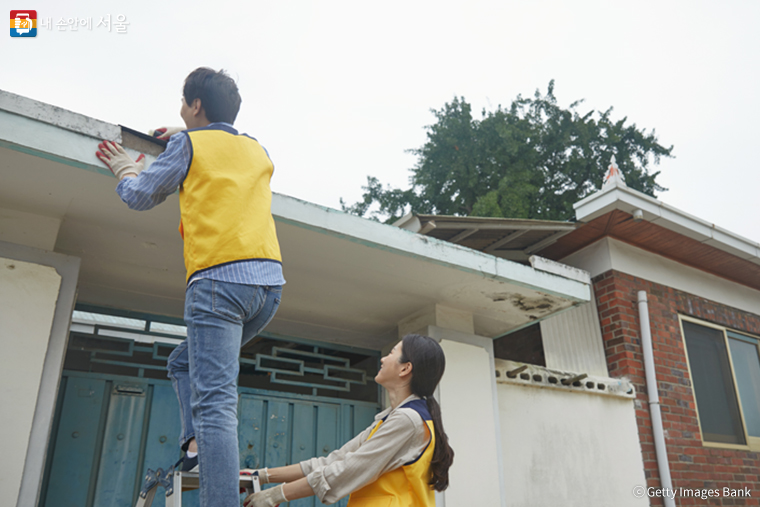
{"x":110,"y":429}
{"x":277,"y":432}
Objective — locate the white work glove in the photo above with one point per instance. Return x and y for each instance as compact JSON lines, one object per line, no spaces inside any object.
{"x":271,"y":497}
{"x":263,"y":474}
{"x":164,"y":133}
{"x":117,"y":160}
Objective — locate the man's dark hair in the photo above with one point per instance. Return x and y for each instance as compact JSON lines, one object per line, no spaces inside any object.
{"x":219,"y":94}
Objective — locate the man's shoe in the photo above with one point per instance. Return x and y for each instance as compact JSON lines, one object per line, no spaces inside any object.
{"x":186,"y":464}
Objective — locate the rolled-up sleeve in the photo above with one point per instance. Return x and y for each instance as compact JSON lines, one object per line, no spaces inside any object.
{"x":312,"y":464}
{"x":161,"y":179}
{"x":398,"y":440}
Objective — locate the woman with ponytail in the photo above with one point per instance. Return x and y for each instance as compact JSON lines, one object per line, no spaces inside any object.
{"x":398,"y":461}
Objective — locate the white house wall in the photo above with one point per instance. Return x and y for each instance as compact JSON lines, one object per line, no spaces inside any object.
{"x":609,"y":253}
{"x":467,"y":394}
{"x":28,"y":295}
{"x":569,"y":449}
{"x":28,"y":229}
{"x":37,"y":292}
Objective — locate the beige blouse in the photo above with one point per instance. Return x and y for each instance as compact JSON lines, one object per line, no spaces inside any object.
{"x":401,"y":438}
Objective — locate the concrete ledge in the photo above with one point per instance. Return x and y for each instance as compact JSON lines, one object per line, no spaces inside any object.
{"x":532,"y":375}
{"x":58,"y":116}
{"x":393,"y":239}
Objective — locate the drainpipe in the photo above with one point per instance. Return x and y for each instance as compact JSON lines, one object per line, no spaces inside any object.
{"x":654,"y":400}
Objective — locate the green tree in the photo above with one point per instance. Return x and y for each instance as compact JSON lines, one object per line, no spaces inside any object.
{"x":533,"y":160}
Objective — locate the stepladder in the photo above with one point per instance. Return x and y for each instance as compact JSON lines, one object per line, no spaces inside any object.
{"x":175,"y":482}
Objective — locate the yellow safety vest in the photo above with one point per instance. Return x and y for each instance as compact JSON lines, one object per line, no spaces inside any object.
{"x":406,"y":486}
{"x":225,"y":201}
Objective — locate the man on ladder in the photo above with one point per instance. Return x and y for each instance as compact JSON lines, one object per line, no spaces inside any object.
{"x":232,"y":256}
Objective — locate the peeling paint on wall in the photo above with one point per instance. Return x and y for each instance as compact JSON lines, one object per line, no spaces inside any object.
{"x":534,"y":307}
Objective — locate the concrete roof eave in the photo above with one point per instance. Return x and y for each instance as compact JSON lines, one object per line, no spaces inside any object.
{"x":408,"y":244}
{"x":350,"y":280}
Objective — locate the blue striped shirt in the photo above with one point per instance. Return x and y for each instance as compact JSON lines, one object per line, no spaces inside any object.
{"x":161,"y":179}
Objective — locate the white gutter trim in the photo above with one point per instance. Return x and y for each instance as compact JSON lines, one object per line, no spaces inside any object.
{"x":626,"y":199}
{"x":299,"y":213}
{"x":410,"y":222}
{"x":550,"y":266}
{"x":58,"y":116}
{"x":69,"y":146}
{"x":654,"y":400}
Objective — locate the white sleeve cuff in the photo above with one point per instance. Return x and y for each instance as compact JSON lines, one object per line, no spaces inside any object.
{"x":318,"y":483}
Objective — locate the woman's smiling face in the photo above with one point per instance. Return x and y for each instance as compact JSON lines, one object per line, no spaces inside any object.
{"x":390,"y":366}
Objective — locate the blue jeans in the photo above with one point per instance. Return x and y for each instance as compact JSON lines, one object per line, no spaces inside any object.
{"x":221,"y":317}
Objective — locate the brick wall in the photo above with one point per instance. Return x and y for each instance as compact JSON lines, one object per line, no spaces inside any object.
{"x":691,"y":465}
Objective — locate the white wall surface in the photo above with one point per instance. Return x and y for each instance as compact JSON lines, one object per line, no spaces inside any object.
{"x":608,"y":253}
{"x":28,"y":229}
{"x":28,"y":296}
{"x":466,"y":394}
{"x":569,"y":449}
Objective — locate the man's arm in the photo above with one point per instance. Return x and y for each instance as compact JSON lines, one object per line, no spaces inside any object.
{"x":161,"y":179}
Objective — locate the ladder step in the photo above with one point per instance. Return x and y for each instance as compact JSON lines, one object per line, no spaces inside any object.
{"x":175,"y":481}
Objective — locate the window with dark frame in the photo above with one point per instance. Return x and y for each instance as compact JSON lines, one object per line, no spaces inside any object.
{"x":523,"y":346}
{"x":722,"y":362}
{"x":746,"y":359}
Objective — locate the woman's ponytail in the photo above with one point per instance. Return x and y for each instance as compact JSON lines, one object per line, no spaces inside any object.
{"x":428,"y":363}
{"x":443,"y":454}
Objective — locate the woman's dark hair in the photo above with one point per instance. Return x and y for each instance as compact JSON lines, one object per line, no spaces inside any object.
{"x":428,"y":363}
{"x":219,"y":94}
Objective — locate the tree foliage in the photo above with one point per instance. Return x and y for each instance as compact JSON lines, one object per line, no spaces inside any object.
{"x":533,"y":160}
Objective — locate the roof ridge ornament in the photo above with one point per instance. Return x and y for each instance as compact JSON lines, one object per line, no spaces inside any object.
{"x":614,"y":177}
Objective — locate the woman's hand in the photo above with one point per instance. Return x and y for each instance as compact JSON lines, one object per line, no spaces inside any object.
{"x":263,"y":474}
{"x":288,"y":473}
{"x":267,"y":498}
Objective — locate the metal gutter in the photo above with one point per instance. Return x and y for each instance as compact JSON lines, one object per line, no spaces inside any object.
{"x":654,"y":399}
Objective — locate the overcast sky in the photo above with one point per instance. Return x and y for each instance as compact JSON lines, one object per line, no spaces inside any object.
{"x":337,"y":91}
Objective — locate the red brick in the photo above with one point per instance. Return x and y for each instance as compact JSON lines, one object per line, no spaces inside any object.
{"x":709,"y":468}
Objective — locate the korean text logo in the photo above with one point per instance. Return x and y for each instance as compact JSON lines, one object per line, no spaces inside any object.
{"x":23,"y":23}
